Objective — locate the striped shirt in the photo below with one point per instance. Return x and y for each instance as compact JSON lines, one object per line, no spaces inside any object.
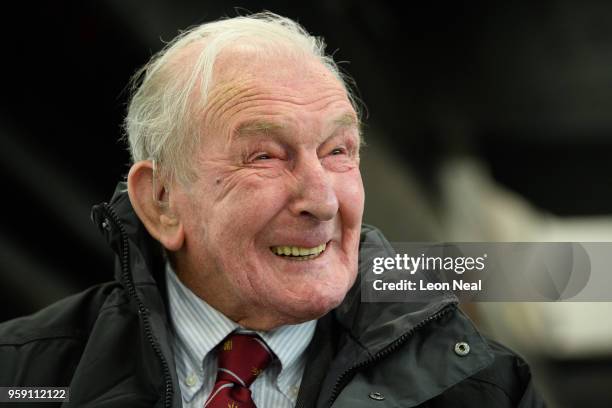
{"x":199,"y":328}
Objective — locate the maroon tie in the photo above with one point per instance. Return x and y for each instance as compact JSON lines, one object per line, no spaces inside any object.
{"x":241,"y":358}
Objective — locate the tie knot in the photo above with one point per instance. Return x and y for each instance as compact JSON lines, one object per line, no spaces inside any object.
{"x":241,"y":358}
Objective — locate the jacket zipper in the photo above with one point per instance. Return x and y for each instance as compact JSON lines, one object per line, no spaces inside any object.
{"x":143,"y":311}
{"x":344,"y":377}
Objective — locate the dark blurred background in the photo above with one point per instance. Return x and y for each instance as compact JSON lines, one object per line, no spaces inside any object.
{"x":501,"y":103}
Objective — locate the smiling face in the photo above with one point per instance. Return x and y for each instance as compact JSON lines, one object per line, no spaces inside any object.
{"x":272,"y":224}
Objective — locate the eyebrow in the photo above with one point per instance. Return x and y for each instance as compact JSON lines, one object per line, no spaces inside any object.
{"x":260,"y":125}
{"x":257,"y":126}
{"x":346,"y":120}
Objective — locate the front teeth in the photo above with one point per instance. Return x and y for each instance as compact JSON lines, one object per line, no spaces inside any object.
{"x":299,"y":252}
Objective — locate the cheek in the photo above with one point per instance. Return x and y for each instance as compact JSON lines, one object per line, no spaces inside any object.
{"x":247,"y":202}
{"x":351,"y":196}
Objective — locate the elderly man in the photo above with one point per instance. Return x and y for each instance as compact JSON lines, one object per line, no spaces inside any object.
{"x":237,"y":242}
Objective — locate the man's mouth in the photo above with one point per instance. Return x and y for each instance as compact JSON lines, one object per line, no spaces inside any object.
{"x":298,"y":253}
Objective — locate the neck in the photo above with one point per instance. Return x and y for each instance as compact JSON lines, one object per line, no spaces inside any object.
{"x":218,"y":295}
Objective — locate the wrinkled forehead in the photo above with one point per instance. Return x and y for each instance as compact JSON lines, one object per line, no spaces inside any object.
{"x":280,"y":68}
{"x":244,"y":79}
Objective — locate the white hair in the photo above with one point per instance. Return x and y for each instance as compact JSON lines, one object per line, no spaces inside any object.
{"x":168,"y":94}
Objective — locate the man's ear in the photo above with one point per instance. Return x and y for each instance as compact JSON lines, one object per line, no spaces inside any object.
{"x":153,"y":205}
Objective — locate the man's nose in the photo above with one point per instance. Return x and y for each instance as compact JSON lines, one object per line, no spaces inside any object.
{"x":314,"y":193}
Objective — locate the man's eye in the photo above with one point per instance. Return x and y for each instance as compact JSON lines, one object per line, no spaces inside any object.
{"x":337,"y":151}
{"x":262,"y":157}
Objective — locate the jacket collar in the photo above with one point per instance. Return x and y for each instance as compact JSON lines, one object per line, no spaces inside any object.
{"x":376,"y":324}
{"x":414,"y":332}
{"x":140,"y":271}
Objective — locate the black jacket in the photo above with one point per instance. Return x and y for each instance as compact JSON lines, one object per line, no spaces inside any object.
{"x":111,"y":344}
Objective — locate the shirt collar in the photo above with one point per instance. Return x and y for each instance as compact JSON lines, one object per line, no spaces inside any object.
{"x":288,"y":344}
{"x":199,"y":328}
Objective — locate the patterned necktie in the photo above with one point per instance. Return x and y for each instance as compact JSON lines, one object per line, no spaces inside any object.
{"x":241,"y":358}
